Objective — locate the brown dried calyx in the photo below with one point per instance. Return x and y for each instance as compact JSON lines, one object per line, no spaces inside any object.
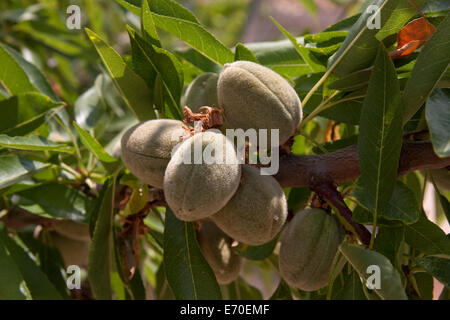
{"x":211,"y":118}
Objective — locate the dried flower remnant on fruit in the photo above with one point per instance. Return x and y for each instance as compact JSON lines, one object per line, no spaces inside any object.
{"x":210,"y":118}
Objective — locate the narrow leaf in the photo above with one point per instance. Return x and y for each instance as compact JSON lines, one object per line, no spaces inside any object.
{"x":93,"y":145}
{"x":36,"y":281}
{"x":427,"y":237}
{"x":403,"y":205}
{"x":36,"y":78}
{"x":12,"y":76}
{"x":54,"y":200}
{"x":99,"y":268}
{"x":167,"y":67}
{"x":14,"y":169}
{"x":131,"y":86}
{"x":360,"y":47}
{"x":430,"y":66}
{"x":243,"y":53}
{"x":390,"y":282}
{"x":380,"y":136}
{"x":148,"y":25}
{"x":438,"y":120}
{"x":438,"y":266}
{"x":34,"y":143}
{"x":187,"y":271}
{"x":401,"y":14}
{"x":175,"y":19}
{"x":23,"y":113}
{"x":11,"y":279}
{"x":306,"y":55}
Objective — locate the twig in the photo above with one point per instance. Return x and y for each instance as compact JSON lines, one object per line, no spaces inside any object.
{"x":326,"y":189}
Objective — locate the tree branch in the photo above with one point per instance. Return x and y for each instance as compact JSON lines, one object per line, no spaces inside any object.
{"x":342,"y":165}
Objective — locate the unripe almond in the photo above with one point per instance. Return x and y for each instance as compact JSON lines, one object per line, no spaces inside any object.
{"x":146,"y":148}
{"x":308,"y":246}
{"x":216,"y":248}
{"x":202,"y":91}
{"x":257,"y":210}
{"x":197,"y":186}
{"x":254,"y":96}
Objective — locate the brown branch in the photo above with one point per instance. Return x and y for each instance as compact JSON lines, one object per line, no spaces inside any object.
{"x":326,"y":189}
{"x":342,"y":165}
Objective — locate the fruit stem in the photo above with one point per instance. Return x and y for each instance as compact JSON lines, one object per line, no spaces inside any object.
{"x":326,"y":189}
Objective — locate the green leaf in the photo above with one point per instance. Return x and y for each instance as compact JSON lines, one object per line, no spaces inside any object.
{"x":93,"y":145}
{"x":403,"y":205}
{"x":390,"y":282}
{"x":11,"y":279}
{"x":12,"y":76}
{"x":148,"y":25}
{"x":431,"y":64}
{"x":399,"y":17}
{"x":243,"y":53}
{"x":50,"y":259}
{"x":167,"y":67}
{"x":132,"y":87}
{"x":346,"y":111}
{"x":99,"y":267}
{"x":280,"y":56}
{"x":389,"y":243}
{"x":298,"y":198}
{"x":438,"y":119}
{"x":171,"y":8}
{"x":438,"y":266}
{"x":178,"y":21}
{"x":427,"y":237}
{"x":314,"y":65}
{"x":380,"y":136}
{"x":187,"y":271}
{"x":260,"y":252}
{"x":34,"y":143}
{"x":352,"y":81}
{"x":55,"y":200}
{"x":360,"y":46}
{"x":196,"y":36}
{"x":34,"y":75}
{"x":352,"y":289}
{"x":36,"y":281}
{"x":14,"y":169}
{"x":23,"y":113}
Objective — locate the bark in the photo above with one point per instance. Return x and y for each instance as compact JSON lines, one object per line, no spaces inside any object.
{"x":342,"y":165}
